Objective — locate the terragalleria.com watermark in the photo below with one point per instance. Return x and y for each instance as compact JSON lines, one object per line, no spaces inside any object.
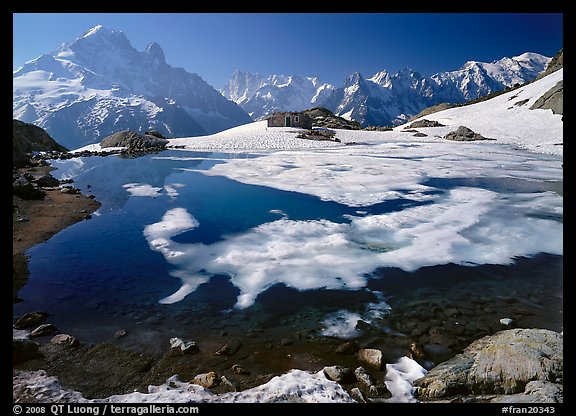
{"x":104,"y":409}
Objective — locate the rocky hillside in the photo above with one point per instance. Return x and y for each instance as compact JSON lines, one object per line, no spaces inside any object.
{"x":28,"y":138}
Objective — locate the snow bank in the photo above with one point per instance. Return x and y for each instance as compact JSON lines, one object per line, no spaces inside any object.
{"x":507,"y":119}
{"x":252,"y":137}
{"x":294,"y":386}
{"x":399,"y":378}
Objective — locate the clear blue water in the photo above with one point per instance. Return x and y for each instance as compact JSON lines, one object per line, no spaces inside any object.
{"x":100,"y":275}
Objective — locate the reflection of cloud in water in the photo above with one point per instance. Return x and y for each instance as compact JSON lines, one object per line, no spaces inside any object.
{"x":464,"y":226}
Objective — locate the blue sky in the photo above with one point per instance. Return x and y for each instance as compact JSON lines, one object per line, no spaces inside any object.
{"x":329,"y":46}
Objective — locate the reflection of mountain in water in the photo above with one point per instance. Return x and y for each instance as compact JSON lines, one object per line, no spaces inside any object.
{"x":108,"y":174}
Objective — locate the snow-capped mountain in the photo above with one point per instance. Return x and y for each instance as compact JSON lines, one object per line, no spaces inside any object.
{"x":99,"y":84}
{"x":390,"y":99}
{"x":260,"y":96}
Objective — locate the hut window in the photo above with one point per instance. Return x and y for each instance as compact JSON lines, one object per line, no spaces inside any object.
{"x":296,"y":119}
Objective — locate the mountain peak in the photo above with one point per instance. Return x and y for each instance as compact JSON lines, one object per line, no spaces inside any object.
{"x":155,"y":51}
{"x":94,"y":30}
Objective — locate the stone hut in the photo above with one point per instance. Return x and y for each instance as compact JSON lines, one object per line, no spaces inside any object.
{"x":290,"y":119}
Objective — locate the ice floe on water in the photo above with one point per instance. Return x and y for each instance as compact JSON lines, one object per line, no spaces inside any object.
{"x":142,"y":189}
{"x":463,"y":226}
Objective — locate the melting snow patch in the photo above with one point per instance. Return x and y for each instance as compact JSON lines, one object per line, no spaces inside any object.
{"x":294,"y":386}
{"x":399,"y":378}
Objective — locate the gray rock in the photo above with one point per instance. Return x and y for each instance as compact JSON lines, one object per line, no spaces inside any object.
{"x":424,"y":123}
{"x":463,"y":133}
{"x":44,"y":329}
{"x":47,"y":180}
{"x":553,"y":99}
{"x":535,"y":392}
{"x":133,"y":140}
{"x":371,"y":357}
{"x":24,"y":189}
{"x":183,"y":346}
{"x":357,"y":395}
{"x":338,"y":373}
{"x":503,"y":363}
{"x":363,"y":377}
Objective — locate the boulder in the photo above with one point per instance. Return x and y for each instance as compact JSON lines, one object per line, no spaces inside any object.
{"x":22,"y":188}
{"x":502,"y":363}
{"x":44,"y":329}
{"x":339,"y":374}
{"x":207,"y":380}
{"x":424,"y":123}
{"x":133,"y":140}
{"x":47,"y":181}
{"x":65,"y":340}
{"x":31,"y":319}
{"x":363,"y":377}
{"x":183,"y":346}
{"x":553,"y":99}
{"x":464,"y":134}
{"x":371,"y":357}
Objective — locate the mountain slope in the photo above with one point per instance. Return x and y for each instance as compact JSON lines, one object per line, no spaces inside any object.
{"x":387,"y":99}
{"x":260,"y":96}
{"x":510,"y":118}
{"x":100,"y":84}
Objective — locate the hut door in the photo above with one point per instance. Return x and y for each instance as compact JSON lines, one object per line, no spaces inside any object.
{"x":287,"y":121}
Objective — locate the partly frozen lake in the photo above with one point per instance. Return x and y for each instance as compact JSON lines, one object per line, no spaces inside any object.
{"x":189,"y":242}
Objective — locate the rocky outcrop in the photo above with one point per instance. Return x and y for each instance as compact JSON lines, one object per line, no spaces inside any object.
{"x":508,"y":362}
{"x":322,"y":117}
{"x":556,"y":63}
{"x":433,"y":109}
{"x":424,"y":123}
{"x":133,"y":140}
{"x":464,"y":134}
{"x":552,"y":99}
{"x":28,"y":138}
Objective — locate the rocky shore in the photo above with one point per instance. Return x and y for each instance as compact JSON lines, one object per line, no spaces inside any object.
{"x":477,"y":345}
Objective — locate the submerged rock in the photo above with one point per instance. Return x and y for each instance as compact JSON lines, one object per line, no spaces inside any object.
{"x":31,"y":319}
{"x":44,"y":329}
{"x":183,"y":346}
